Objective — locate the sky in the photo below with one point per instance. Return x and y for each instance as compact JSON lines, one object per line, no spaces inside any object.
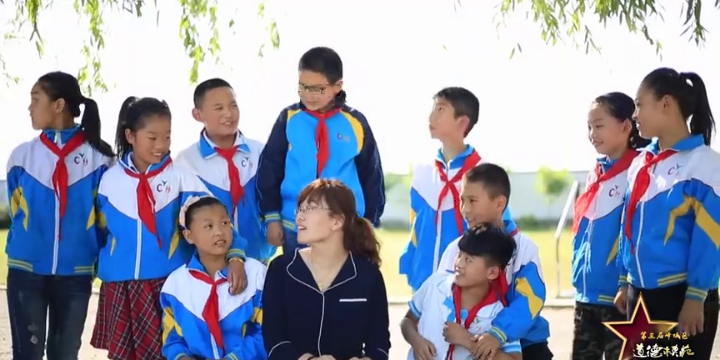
{"x":396,"y":55}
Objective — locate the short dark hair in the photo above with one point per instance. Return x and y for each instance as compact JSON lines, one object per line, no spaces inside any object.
{"x":206,"y":86}
{"x":464,"y":102}
{"x":493,"y":177}
{"x":322,"y":60}
{"x":490,"y":242}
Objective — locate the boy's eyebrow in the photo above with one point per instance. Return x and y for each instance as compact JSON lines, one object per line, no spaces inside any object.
{"x":34,"y":92}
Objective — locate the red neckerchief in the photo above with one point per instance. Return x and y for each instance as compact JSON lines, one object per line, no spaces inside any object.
{"x":145,"y":198}
{"x":211,"y":311}
{"x":498,"y":290}
{"x":450,"y":186}
{"x":582,"y":204}
{"x":236,"y":189}
{"x":322,"y":137}
{"x":60,"y":175}
{"x":640,"y":187}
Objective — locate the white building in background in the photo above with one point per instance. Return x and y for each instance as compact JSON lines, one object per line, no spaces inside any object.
{"x":525,"y":200}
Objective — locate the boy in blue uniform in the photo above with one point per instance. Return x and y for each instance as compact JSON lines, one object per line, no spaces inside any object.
{"x":319,"y":137}
{"x":226,"y":161}
{"x":435,"y":216}
{"x":485,"y":195}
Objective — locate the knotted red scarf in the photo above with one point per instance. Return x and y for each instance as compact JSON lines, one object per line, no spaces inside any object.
{"x":322,"y":138}
{"x":146,"y":199}
{"x":60,"y":175}
{"x":582,"y":204}
{"x":236,"y":189}
{"x":640,"y":187}
{"x":449,"y":186}
{"x":211,"y":311}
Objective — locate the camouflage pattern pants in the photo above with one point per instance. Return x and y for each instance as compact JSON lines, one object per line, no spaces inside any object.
{"x":591,"y":338}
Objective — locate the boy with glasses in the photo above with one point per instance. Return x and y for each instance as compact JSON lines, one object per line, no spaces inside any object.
{"x":325,"y":139}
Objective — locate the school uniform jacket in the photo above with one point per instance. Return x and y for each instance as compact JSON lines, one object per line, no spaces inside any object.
{"x":595,"y":245}
{"x":38,"y":240}
{"x":675,"y":235}
{"x":432,"y":222}
{"x":289,"y":163}
{"x":433,"y":305}
{"x":130,"y":251}
{"x":185,"y":333}
{"x":349,"y":319}
{"x":521,"y":319}
{"x":203,"y":160}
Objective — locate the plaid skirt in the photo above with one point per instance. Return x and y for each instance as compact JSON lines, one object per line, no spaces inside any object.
{"x":129,"y":320}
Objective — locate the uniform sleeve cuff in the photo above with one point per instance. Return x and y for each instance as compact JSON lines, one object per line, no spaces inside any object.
{"x":236,"y":253}
{"x":231,"y":356}
{"x":498,"y":334}
{"x":272,"y":217}
{"x":179,"y":356}
{"x":696,"y":294}
{"x":622,"y":281}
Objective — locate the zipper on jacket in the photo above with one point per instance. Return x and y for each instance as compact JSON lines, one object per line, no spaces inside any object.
{"x":138,"y":247}
{"x":637,"y":245}
{"x":56,"y":241}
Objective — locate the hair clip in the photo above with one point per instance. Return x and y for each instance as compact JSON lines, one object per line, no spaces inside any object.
{"x":183,"y":209}
{"x":165,"y":104}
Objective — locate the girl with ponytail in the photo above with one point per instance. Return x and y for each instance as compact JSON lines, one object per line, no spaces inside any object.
{"x":670,"y":246}
{"x":335,"y":278}
{"x":598,"y":210}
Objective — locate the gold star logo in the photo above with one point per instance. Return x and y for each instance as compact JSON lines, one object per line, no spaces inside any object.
{"x":633,"y":331}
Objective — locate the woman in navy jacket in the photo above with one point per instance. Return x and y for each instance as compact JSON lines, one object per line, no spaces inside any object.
{"x":328,"y":299}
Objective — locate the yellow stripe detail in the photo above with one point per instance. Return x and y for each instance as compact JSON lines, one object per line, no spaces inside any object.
{"x":291,"y":113}
{"x":534,"y":302}
{"x":20,"y":264}
{"x":84,"y":270}
{"x":672,"y":279}
{"x":357,"y":128}
{"x":613,"y":251}
{"x":499,"y":333}
{"x":605,"y":298}
{"x":113,"y":242}
{"x":258,"y":316}
{"x":678,"y":211}
{"x":17,"y":201}
{"x":697,"y":292}
{"x":705,"y":222}
{"x":169,"y":324}
{"x":175,"y":241}
{"x":289,"y":224}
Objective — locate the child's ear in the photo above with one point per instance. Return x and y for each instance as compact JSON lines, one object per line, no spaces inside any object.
{"x":196,"y":114}
{"x":463,"y":122}
{"x":493,"y":272}
{"x":188,"y":236}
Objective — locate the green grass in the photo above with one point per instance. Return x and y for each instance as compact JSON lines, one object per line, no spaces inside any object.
{"x":393,"y":243}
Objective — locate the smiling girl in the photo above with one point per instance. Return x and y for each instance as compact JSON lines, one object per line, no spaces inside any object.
{"x":139,"y":200}
{"x":598,"y":210}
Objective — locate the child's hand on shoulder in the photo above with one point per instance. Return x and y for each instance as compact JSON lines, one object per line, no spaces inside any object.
{"x":237,"y":276}
{"x":275,"y":233}
{"x":423,"y":349}
{"x":456,"y":334}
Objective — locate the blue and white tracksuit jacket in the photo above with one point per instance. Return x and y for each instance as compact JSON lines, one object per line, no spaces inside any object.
{"x":130,"y":251}
{"x":675,"y":232}
{"x":428,"y":240}
{"x":202,"y":159}
{"x":595,"y":245}
{"x":185,"y":333}
{"x":36,"y":242}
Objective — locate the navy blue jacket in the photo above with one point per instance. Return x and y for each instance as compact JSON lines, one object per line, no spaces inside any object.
{"x":350,"y":319}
